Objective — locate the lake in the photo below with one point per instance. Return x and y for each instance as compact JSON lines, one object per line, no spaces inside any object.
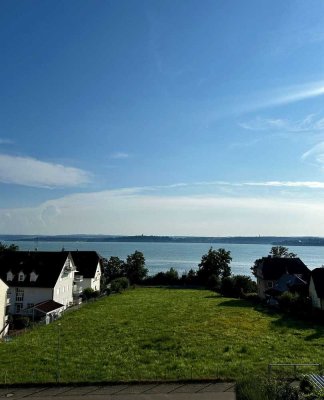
{"x":181,"y":256}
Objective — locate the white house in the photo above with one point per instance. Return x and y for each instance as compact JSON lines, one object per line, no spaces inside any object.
{"x":36,"y":277}
{"x":316,"y":288}
{"x":3,"y":308}
{"x":88,"y":269}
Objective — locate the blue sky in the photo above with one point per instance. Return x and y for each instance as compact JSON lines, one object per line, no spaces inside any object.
{"x":162,"y":117}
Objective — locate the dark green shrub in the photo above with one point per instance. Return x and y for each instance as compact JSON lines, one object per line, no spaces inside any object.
{"x":88,"y":293}
{"x":119,"y":284}
{"x":266,"y":389}
{"x":237,"y":286}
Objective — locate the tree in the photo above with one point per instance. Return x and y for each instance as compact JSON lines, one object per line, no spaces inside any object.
{"x":114,"y":268}
{"x":237,"y":285}
{"x":215,"y":262}
{"x":8,"y":247}
{"x":134,"y":268}
{"x":275,"y":252}
{"x":281,"y":252}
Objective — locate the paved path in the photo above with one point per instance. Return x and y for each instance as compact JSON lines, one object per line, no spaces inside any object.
{"x":154,"y":391}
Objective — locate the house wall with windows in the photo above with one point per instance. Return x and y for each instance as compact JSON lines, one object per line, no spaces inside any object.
{"x":35,"y":277}
{"x":24,"y":297}
{"x":63,"y":290}
{"x":3,"y":306}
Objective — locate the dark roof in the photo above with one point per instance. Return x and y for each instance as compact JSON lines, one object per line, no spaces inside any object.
{"x":46,"y":264}
{"x":274,"y":267}
{"x":318,"y":279}
{"x":48,"y":306}
{"x":86,"y":262}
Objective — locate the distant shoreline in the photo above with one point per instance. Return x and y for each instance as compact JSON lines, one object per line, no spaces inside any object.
{"x":272,"y":240}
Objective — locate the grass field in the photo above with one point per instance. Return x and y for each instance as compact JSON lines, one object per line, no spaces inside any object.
{"x":152,"y":333}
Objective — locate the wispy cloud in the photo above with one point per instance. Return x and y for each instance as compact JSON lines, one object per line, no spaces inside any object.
{"x":28,"y":171}
{"x":288,"y":184}
{"x":129,"y":211}
{"x":5,"y":141}
{"x":315,"y":155}
{"x":309,"y":123}
{"x":119,"y":155}
{"x":295,"y":93}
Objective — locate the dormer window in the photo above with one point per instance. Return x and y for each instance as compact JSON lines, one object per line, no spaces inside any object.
{"x":10,"y":276}
{"x":33,"y":276}
{"x":21,"y":276}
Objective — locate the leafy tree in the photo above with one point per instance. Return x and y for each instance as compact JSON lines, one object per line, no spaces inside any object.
{"x":281,"y":252}
{"x":215,"y":262}
{"x":134,"y":268}
{"x":8,"y":247}
{"x":114,"y":268}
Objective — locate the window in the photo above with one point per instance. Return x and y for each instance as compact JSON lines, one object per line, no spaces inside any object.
{"x":21,"y":276}
{"x":9,"y":276}
{"x":19,"y":294}
{"x":270,"y":284}
{"x":18,"y":307}
{"x":33,"y":277}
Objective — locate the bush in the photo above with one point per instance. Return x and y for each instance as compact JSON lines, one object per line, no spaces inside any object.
{"x":266,"y":389}
{"x":119,"y":284}
{"x":170,"y":277}
{"x":237,"y":286}
{"x":190,"y":278}
{"x":89,"y":293}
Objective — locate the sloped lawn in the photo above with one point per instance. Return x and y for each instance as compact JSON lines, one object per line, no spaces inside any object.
{"x":152,"y":333}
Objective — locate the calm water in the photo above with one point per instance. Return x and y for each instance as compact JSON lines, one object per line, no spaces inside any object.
{"x":181,"y":256}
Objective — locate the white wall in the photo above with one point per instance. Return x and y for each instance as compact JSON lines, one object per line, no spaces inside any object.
{"x":3,"y":303}
{"x":63,"y":290}
{"x":31,"y":296}
{"x":93,"y":283}
{"x":316,"y":302}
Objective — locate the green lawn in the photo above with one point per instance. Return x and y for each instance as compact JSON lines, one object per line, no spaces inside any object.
{"x":151,"y":333}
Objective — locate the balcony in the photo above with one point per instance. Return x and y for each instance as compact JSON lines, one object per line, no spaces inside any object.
{"x":77,"y":290}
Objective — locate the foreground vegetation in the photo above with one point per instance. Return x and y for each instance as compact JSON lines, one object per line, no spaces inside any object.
{"x":156,"y":333}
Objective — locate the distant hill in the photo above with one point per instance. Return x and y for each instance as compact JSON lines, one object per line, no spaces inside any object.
{"x":272,"y":240}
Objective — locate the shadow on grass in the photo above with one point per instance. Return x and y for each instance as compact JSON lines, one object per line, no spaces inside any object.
{"x":235,"y":303}
{"x":291,"y":322}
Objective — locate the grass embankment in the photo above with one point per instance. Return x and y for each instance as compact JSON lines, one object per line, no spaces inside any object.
{"x":148,"y":334}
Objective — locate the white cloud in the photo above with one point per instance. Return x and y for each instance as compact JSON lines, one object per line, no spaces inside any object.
{"x":288,"y":184}
{"x":134,"y":211}
{"x":295,"y":93}
{"x":119,"y":155}
{"x":5,"y":141}
{"x":315,"y":155}
{"x":31,"y":172}
{"x":307,"y":124}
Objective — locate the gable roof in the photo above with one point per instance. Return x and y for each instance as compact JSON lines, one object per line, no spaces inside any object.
{"x":318,"y":279}
{"x":86,"y":262}
{"x":46,"y":264}
{"x":272,"y":268}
